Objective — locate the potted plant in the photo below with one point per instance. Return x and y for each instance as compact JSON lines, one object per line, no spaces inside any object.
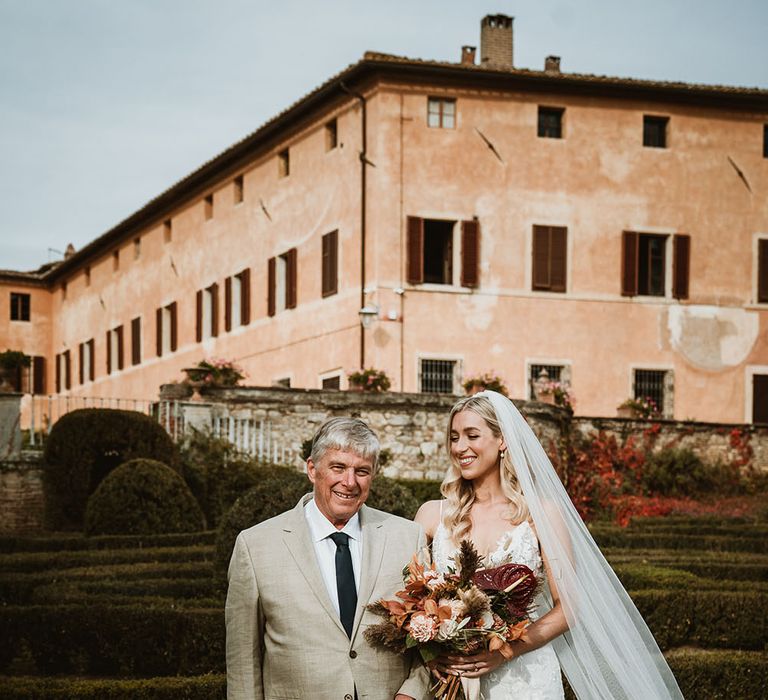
{"x":642,"y":407}
{"x":555,"y":393}
{"x":11,"y":361}
{"x":481,"y":382}
{"x":368,"y":380}
{"x":214,"y":372}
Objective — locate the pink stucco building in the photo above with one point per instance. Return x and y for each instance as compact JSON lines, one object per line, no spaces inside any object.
{"x":614,"y":231}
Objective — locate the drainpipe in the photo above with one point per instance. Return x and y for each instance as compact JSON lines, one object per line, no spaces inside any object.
{"x":363,"y":164}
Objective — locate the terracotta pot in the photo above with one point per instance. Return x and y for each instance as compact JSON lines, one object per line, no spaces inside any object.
{"x":626,"y":412}
{"x":355,"y":387}
{"x":546,"y":398}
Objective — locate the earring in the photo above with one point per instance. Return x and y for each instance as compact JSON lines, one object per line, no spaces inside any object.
{"x":502,"y":454}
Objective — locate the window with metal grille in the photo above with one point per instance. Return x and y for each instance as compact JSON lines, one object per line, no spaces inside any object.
{"x":652,"y":384}
{"x":441,"y":113}
{"x":655,"y":131}
{"x":437,"y":376}
{"x":551,"y":122}
{"x":331,"y":382}
{"x":555,"y":373}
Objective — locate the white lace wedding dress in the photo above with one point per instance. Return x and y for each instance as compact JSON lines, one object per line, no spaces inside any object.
{"x":536,"y":674}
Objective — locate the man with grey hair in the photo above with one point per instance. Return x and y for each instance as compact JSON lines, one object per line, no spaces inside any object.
{"x":299,"y":585}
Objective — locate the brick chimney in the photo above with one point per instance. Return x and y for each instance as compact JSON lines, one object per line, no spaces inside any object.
{"x":552,"y":64}
{"x":468,"y":55}
{"x":496,"y":41}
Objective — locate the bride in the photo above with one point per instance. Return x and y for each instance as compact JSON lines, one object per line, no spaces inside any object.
{"x":502,"y":492}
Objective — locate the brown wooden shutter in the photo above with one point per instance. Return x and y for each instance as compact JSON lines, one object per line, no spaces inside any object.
{"x":334,"y":262}
{"x":558,"y":254}
{"x":629,"y":268}
{"x":290,"y":279}
{"x":330,"y":263}
{"x":109,"y":352}
{"x":174,"y":326}
{"x":136,"y":341}
{"x":214,"y":310}
{"x":245,"y":296}
{"x":38,"y":374}
{"x":92,"y":368}
{"x":762,"y":271}
{"x":681,"y":264}
{"x":120,"y":354}
{"x":415,"y":245}
{"x":541,"y":256}
{"x":271,"y":281}
{"x":58,"y":374}
{"x":67,"y":370}
{"x":199,"y":315}
{"x":760,"y":398}
{"x":228,"y":304}
{"x":81,"y":373}
{"x":159,"y":332}
{"x":470,"y":254}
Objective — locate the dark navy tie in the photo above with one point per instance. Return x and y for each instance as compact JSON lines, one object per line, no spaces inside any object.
{"x":345,"y":581}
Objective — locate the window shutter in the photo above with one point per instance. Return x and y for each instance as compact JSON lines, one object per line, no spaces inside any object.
{"x":629,"y":254}
{"x":334,"y":263}
{"x":92,"y":368}
{"x":415,"y":263}
{"x":109,"y":352}
{"x":762,"y":271}
{"x":136,"y":341}
{"x":199,"y":315}
{"x":541,"y":277}
{"x":38,"y":371}
{"x":81,"y":356}
{"x":470,"y":254}
{"x":228,"y":304}
{"x":271,"y":275}
{"x":681,"y":265}
{"x":245,"y":296}
{"x":174,"y":326}
{"x":558,"y":251}
{"x":58,"y":373}
{"x":330,"y":263}
{"x":290,"y":280}
{"x":214,"y":310}
{"x":119,"y":331}
{"x":760,"y":398}
{"x":159,"y":332}
{"x":67,"y":370}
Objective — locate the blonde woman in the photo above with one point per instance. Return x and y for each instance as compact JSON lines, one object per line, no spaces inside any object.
{"x":502,"y":492}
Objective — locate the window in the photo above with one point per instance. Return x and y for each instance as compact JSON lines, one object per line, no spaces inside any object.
{"x":285,"y":382}
{"x":437,"y":376}
{"x":207,"y":325}
{"x":87,"y":364}
{"x":655,"y":131}
{"x":554,"y":373}
{"x":167,"y":231}
{"x":644,"y":266}
{"x":284,"y":163}
{"x":760,"y":398}
{"x":238,"y":185}
{"x":549,"y":258}
{"x":136,"y":248}
{"x":237,"y":300}
{"x":330,"y":262}
{"x":115,"y":260}
{"x":550,"y":122}
{"x":64,"y":291}
{"x":441,"y":112}
{"x":281,"y":282}
{"x":166,"y":327}
{"x":430,"y":251}
{"x":331,"y":383}
{"x":762,"y":271}
{"x":654,"y":384}
{"x":208,"y":207}
{"x":63,"y":372}
{"x":136,"y":341}
{"x":331,"y":135}
{"x":20,"y":305}
{"x":87,"y":275}
{"x":765,"y":140}
{"x":115,"y":349}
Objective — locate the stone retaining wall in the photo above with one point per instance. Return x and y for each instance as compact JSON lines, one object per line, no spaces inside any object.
{"x":21,"y":494}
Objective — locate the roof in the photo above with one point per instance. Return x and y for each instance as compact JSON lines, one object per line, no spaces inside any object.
{"x":373,"y":66}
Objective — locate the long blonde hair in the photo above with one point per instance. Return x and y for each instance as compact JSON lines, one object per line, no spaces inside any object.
{"x":459,"y":493}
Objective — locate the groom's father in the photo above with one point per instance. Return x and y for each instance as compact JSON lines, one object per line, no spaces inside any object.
{"x":299,"y":584}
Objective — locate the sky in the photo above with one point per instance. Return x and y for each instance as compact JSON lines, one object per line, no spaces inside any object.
{"x":104,"y":104}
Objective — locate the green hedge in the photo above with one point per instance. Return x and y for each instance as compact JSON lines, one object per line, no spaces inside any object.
{"x":423,"y":489}
{"x":77,"y":542}
{"x":208,"y":687}
{"x":663,"y":540}
{"x":84,"y":447}
{"x":638,"y":576}
{"x":108,"y":640}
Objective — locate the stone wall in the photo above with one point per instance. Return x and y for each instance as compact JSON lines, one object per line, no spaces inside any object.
{"x":21,"y":494}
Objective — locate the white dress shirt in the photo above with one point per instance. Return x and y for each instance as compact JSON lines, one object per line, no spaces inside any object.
{"x":325,"y":549}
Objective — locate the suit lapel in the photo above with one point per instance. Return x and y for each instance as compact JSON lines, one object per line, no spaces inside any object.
{"x":297,"y":539}
{"x":374,"y":540}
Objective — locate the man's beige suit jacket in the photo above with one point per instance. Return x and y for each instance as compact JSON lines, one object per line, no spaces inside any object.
{"x":284,"y":637}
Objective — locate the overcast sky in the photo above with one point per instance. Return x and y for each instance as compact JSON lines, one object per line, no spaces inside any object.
{"x":106,"y":103}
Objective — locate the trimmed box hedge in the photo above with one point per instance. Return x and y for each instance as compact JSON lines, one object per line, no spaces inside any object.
{"x":664,"y":540}
{"x":77,"y":542}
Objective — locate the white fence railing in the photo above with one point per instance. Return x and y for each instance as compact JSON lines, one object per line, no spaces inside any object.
{"x":253,"y":437}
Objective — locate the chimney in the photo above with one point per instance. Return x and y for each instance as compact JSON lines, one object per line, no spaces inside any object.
{"x":496,"y":41}
{"x":552,"y":64}
{"x":468,"y":55}
{"x":69,"y":252}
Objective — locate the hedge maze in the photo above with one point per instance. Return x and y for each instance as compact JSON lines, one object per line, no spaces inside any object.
{"x":142,"y":616}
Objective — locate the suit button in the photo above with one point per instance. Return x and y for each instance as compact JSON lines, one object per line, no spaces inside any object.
{"x":353,"y":654}
{"x":347,"y":697}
